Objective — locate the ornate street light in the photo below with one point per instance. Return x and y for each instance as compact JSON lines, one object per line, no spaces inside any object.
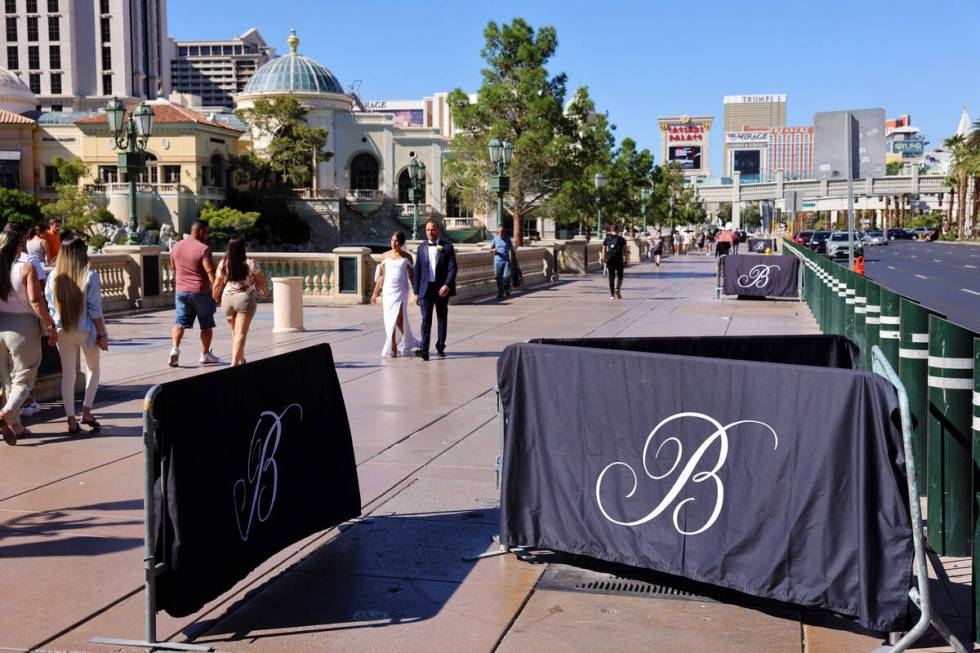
{"x":501,"y":154}
{"x":600,"y":183}
{"x":130,"y":131}
{"x":416,"y":192}
{"x":644,"y":199}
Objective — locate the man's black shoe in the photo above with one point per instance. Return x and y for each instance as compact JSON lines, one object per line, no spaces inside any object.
{"x":441,"y":353}
{"x":500,"y":295}
{"x":424,"y":355}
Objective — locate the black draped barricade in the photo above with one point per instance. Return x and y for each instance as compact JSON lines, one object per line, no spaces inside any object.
{"x":760,"y":245}
{"x":761,"y":276}
{"x":254,"y":458}
{"x":240,"y":463}
{"x":783,"y":480}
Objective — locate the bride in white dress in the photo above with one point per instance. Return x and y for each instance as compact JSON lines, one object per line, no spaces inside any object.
{"x":395,"y":282}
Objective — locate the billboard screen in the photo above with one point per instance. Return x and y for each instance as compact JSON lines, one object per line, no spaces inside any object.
{"x":687,"y":156}
{"x":747,"y":162}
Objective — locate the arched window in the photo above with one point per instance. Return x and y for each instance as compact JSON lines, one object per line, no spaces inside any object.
{"x":150,"y":174}
{"x":404,"y":183}
{"x":455,"y":208}
{"x":364,"y":172}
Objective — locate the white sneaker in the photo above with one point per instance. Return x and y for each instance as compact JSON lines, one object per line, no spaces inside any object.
{"x":174,"y":355}
{"x":30,"y":409}
{"x":207,"y":358}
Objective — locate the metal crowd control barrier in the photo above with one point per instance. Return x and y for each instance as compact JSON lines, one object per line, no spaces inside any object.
{"x":860,"y":312}
{"x":888,"y":331}
{"x":151,"y":466}
{"x":920,"y":593}
{"x":850,"y":294}
{"x":950,"y":372}
{"x":976,"y":447}
{"x":913,"y":352}
{"x":872,"y":319}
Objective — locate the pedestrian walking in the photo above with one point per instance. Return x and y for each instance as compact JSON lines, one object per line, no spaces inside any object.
{"x":37,"y":246}
{"x":709,"y":241}
{"x":395,"y":285}
{"x":657,"y":248}
{"x":52,"y":240}
{"x":193,"y":267}
{"x":74,"y":298}
{"x":613,"y":254}
{"x":24,"y":232}
{"x":503,"y":248}
{"x":700,"y":242}
{"x":435,"y":283}
{"x":678,"y":241}
{"x":724,"y":241}
{"x":236,"y":282}
{"x":24,"y":320}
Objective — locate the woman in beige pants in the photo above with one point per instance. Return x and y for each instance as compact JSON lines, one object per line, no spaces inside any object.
{"x":75,"y":301}
{"x":23,"y":316}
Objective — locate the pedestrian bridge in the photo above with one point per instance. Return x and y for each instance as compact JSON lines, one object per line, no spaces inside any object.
{"x":913,"y":184}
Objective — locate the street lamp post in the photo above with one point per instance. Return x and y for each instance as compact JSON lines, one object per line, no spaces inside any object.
{"x":130,"y":131}
{"x":644,"y":198}
{"x":600,"y":183}
{"x":416,"y":193}
{"x":501,"y":154}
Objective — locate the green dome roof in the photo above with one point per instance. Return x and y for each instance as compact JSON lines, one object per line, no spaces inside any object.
{"x":293,"y":73}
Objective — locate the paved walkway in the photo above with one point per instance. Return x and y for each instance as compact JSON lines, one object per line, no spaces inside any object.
{"x":425,"y":440}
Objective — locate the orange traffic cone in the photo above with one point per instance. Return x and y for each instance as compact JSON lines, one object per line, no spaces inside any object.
{"x":859,"y":265}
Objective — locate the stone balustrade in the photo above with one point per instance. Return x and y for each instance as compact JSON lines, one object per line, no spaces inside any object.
{"x":118,"y":279}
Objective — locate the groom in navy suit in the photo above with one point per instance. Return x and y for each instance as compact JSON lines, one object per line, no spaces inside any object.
{"x":435,"y":282}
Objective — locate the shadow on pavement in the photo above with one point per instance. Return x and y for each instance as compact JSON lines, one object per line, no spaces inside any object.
{"x":52,"y":533}
{"x":392,"y":570}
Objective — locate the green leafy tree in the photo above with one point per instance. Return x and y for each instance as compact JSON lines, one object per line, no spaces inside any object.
{"x":76,"y":209}
{"x":520,"y":101}
{"x":18,"y":206}
{"x":292,"y":146}
{"x":225,"y":222}
{"x":629,"y":171}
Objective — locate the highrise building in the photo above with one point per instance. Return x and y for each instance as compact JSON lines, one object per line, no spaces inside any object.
{"x":212,"y":72}
{"x":76,"y":54}
{"x":743,"y":111}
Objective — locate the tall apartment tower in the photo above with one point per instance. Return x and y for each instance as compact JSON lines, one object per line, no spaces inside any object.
{"x":212,"y":72}
{"x":751,"y":111}
{"x":76,"y":54}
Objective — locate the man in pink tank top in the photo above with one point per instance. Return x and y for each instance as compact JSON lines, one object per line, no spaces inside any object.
{"x":193,"y":268}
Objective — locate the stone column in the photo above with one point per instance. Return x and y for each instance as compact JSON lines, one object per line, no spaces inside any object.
{"x":355,"y":288}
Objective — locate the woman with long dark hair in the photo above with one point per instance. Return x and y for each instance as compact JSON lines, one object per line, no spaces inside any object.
{"x":74,"y":298}
{"x":237,"y":281}
{"x":395,"y":284}
{"x":23,"y":317}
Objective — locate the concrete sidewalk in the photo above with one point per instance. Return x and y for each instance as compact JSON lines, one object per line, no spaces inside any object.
{"x":425,"y":440}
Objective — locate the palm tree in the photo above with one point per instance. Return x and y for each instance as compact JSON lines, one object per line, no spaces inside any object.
{"x":956,"y":145}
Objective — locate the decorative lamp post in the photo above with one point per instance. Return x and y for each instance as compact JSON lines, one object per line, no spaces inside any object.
{"x":501,"y":154}
{"x":130,"y":131}
{"x":416,"y":193}
{"x":600,"y":183}
{"x":644,"y":199}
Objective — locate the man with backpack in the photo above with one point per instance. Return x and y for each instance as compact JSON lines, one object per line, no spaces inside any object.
{"x":613,"y":255}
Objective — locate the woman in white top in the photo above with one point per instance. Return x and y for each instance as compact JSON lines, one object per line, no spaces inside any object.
{"x":37,"y":246}
{"x":23,"y":315}
{"x":74,"y":297}
{"x":238,"y":279}
{"x":395,"y":280}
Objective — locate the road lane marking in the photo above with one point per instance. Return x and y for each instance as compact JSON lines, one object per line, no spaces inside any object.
{"x":937,"y":260}
{"x":972,"y":292}
{"x":891,"y":267}
{"x":921,"y":277}
{"x":970,"y":266}
{"x":913,"y":256}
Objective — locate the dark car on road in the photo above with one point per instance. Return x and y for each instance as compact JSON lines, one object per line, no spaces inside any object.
{"x":897,"y":233}
{"x":803,"y":238}
{"x":818,"y":242}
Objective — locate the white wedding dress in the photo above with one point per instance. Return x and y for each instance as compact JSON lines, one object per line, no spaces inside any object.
{"x":395,"y":293}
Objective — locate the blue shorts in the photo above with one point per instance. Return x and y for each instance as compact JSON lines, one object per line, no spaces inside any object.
{"x":196,"y":304}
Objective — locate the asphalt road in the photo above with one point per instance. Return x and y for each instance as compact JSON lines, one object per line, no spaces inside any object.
{"x":940,"y":276}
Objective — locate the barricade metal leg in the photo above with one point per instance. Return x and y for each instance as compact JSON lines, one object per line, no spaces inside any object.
{"x":151,"y":569}
{"x":719,"y":288}
{"x":498,"y":467}
{"x":919,"y":594}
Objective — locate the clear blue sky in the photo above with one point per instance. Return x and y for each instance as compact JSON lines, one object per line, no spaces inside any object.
{"x":641,"y":59}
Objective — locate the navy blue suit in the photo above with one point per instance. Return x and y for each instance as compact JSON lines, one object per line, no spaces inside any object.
{"x":427,"y":286}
